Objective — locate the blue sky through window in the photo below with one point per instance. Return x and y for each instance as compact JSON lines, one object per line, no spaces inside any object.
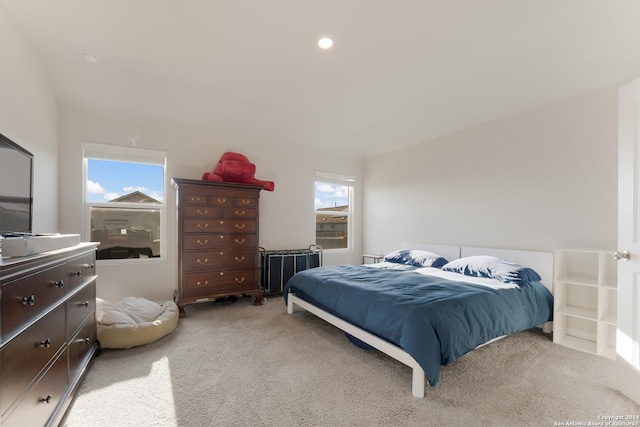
{"x":108,"y":179}
{"x":330,"y":195}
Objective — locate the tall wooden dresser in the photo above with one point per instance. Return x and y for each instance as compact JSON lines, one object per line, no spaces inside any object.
{"x":48,"y":332}
{"x":217,"y":241}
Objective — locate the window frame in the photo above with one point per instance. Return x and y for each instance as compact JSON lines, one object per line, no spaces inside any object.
{"x":349,"y":182}
{"x":129,"y":155}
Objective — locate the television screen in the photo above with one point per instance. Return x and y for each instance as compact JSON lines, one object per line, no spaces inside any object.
{"x":16,"y":200}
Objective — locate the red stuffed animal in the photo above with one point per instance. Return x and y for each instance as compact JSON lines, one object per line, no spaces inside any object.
{"x":235,"y":167}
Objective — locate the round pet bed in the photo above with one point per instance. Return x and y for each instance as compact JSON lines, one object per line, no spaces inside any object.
{"x":134,"y":322}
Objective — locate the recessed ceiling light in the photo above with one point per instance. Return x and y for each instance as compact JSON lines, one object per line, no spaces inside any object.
{"x":90,"y":57}
{"x":325,"y":43}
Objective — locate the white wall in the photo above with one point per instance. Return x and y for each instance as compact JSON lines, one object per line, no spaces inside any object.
{"x":287,"y":219}
{"x":28,"y":117}
{"x":542,"y":179}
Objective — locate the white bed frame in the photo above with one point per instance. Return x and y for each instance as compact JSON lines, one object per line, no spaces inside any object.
{"x":542,"y":262}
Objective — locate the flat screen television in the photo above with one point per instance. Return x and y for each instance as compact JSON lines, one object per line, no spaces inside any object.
{"x":16,"y":188}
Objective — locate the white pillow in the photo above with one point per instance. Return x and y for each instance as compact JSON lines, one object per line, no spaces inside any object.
{"x":102,"y":307}
{"x":115,"y":316}
{"x":140,"y":309}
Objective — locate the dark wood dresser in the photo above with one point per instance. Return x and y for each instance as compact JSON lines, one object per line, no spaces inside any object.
{"x":217,"y":241}
{"x":48,"y":332}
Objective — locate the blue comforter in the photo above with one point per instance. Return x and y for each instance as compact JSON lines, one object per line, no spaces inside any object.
{"x":433,"y":319}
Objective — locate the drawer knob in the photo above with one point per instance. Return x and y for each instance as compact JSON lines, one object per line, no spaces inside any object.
{"x":221,"y":200}
{"x":240,"y":280}
{"x":200,"y":261}
{"x":203,"y":242}
{"x":239,"y":259}
{"x":46,"y":343}
{"x":84,"y":304}
{"x":245,"y":201}
{"x":59,"y":284}
{"x":204,"y":212}
{"x":202,"y":284}
{"x":46,"y":399}
{"x":240,"y":241}
{"x":239,"y":226}
{"x":86,"y":340}
{"x":30,"y":300}
{"x":203,"y":226}
{"x":76,"y":273}
{"x":240,"y":213}
{"x":195,"y":199}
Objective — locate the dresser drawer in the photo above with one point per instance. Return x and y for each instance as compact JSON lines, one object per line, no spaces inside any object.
{"x":27,"y":353}
{"x":28,"y":298}
{"x":240,"y":241}
{"x":245,"y":202}
{"x":194,"y":197}
{"x":204,"y":284}
{"x":225,"y":259}
{"x":80,"y":345}
{"x":80,"y":270}
{"x":223,"y":197}
{"x":79,"y":306}
{"x":219,"y":226}
{"x":201,"y":212}
{"x":203,"y":198}
{"x":239,"y":213}
{"x":217,"y":241}
{"x":36,"y":408}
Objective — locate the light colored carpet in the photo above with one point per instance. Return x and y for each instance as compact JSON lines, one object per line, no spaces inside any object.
{"x":240,"y":365}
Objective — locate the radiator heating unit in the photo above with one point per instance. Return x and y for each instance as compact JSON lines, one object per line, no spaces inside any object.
{"x":277,"y":267}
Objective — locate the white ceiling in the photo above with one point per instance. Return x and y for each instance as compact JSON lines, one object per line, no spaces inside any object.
{"x":400,"y":72}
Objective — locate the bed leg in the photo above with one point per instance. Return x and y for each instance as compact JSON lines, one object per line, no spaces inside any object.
{"x":547,"y":327}
{"x":289,"y":305}
{"x":417,"y":384}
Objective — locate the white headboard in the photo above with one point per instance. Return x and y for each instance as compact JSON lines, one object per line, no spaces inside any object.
{"x":541,"y":262}
{"x":447,"y":251}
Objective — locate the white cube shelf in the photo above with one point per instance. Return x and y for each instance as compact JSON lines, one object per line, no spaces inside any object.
{"x":585,"y":301}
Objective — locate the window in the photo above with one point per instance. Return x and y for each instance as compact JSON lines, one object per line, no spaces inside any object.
{"x":334,"y":210}
{"x":124,"y":201}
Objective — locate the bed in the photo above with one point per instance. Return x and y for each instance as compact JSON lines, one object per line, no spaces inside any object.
{"x":426,"y":312}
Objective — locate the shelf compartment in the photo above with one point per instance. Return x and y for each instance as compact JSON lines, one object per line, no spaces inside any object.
{"x":582,"y":313}
{"x":608,"y":305}
{"x":579,"y":280}
{"x":579,"y":267}
{"x":581,"y":298}
{"x":585,"y":301}
{"x":577,"y":343}
{"x":607,"y":340}
{"x":608,"y":271}
{"x":584,"y":329}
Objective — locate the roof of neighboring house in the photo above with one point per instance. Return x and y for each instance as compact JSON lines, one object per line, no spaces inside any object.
{"x":342,"y":208}
{"x":330,"y":216}
{"x":135,"y":197}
